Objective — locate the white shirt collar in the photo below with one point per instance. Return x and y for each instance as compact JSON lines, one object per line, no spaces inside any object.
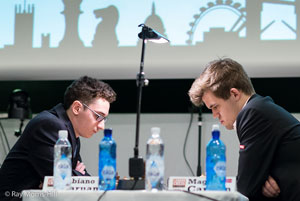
{"x":234,"y":124}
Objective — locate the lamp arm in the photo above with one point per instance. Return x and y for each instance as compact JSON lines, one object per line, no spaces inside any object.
{"x":140,"y":83}
{"x":136,"y":164}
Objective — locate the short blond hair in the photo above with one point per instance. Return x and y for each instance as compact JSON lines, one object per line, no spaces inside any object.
{"x":219,"y":76}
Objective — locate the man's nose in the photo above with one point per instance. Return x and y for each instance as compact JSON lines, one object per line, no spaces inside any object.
{"x":101,"y":125}
{"x":215,"y":114}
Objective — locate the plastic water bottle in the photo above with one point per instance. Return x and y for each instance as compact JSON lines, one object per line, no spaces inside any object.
{"x":215,"y":162}
{"x":62,"y":170}
{"x":107,"y":162}
{"x":155,"y":161}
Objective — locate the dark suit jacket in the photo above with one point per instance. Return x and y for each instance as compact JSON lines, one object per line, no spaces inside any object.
{"x":31,"y":158}
{"x":270,"y":145}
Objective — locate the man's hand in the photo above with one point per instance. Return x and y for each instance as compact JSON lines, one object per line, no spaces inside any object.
{"x":270,"y":189}
{"x":80,"y":167}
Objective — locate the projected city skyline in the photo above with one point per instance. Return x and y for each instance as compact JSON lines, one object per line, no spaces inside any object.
{"x":75,"y":37}
{"x":278,"y":21}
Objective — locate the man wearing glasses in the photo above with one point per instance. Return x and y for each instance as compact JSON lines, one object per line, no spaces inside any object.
{"x":83,"y":113}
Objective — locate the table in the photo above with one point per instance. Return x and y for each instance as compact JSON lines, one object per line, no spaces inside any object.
{"x":136,"y":195}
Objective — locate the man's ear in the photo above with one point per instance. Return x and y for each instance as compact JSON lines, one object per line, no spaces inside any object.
{"x":76,"y":107}
{"x":235,"y":93}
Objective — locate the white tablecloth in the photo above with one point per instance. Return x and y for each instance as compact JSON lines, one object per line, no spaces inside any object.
{"x":122,"y":195}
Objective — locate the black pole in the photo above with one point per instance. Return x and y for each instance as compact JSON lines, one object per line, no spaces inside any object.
{"x":140,"y":83}
{"x":136,"y":164}
{"x":199,"y":141}
{"x":19,"y":132}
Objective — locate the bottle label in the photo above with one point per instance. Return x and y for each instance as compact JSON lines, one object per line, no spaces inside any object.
{"x":108,"y":172}
{"x":220,"y":168}
{"x":155,"y":169}
{"x":62,"y":174}
{"x":63,"y":169}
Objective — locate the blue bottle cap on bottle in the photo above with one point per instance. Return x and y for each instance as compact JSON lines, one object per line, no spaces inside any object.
{"x":108,"y":132}
{"x":215,"y":131}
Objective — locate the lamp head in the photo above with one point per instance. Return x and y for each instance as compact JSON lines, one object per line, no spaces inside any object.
{"x":19,"y":105}
{"x":150,"y":34}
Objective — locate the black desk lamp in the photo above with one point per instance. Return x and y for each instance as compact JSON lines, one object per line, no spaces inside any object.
{"x":136,"y":164}
{"x":19,"y":108}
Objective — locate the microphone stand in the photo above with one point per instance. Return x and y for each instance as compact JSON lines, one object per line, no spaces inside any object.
{"x":199,"y":141}
{"x":136,"y":164}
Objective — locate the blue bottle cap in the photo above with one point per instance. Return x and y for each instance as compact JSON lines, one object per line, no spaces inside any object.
{"x":108,"y":132}
{"x":216,"y":131}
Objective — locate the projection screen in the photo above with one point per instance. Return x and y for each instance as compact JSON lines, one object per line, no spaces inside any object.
{"x":64,"y":39}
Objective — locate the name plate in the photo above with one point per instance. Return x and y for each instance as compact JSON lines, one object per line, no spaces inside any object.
{"x":195,"y":184}
{"x":80,"y":183}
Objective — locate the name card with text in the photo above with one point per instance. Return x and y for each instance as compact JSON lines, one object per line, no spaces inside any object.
{"x":194,"y":184}
{"x":80,"y":183}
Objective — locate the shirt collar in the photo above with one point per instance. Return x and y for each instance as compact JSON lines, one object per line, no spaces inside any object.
{"x":234,"y":124}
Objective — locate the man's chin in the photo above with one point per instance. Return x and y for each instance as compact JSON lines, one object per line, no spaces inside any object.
{"x":229,"y":127}
{"x":88,"y":135}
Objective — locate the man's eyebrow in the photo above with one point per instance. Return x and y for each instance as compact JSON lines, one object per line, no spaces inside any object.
{"x":212,"y":105}
{"x":99,"y":112}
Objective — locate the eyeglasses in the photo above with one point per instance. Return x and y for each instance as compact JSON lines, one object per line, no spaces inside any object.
{"x":99,"y":117}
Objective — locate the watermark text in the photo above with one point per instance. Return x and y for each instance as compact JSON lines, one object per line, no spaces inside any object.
{"x":30,"y":194}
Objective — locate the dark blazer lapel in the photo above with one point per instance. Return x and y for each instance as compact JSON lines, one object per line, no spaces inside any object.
{"x":63,"y":116}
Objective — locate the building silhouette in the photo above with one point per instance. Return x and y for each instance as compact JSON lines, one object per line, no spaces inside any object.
{"x":155,"y":22}
{"x":23,"y":26}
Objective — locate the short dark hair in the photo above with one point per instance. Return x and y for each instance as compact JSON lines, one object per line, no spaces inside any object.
{"x":86,"y":89}
{"x":219,"y":76}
